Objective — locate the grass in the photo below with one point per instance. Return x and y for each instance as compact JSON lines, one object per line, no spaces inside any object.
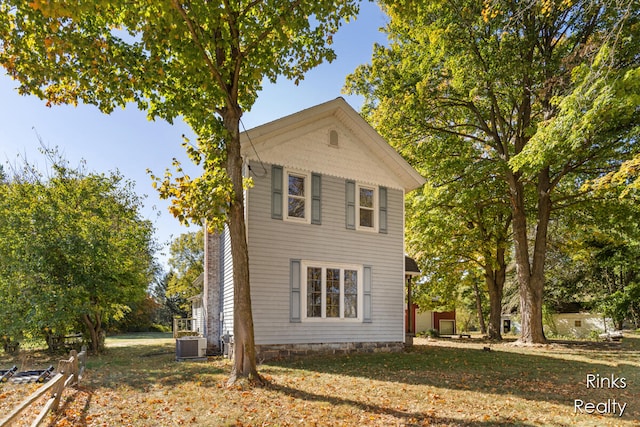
{"x":439,"y":382}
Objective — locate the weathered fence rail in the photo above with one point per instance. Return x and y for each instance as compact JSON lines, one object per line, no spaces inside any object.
{"x":69,"y":373}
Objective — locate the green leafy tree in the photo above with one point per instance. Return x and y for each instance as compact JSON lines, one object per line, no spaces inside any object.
{"x":74,"y":251}
{"x":186,"y":263}
{"x":170,"y":306}
{"x":200,"y":60}
{"x":141,"y":317}
{"x":596,"y":265}
{"x":458,"y":225}
{"x":546,"y":92}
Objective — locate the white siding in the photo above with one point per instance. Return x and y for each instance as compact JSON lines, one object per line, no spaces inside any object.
{"x":227,"y":283}
{"x":274,"y":243}
{"x":197,"y":312}
{"x":307,"y":148}
{"x":580,"y":325}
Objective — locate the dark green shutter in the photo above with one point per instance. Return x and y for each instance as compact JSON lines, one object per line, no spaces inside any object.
{"x":350,"y":208}
{"x":382,"y":192}
{"x":316,"y":199}
{"x":276,"y":192}
{"x":366,"y":296}
{"x":294,"y":279}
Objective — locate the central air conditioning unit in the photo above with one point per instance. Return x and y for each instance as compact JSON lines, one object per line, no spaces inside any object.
{"x":191,"y":348}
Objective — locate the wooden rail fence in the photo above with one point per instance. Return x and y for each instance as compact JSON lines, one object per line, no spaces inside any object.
{"x":69,"y":373}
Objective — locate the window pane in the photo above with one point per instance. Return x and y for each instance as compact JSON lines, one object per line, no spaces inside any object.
{"x":333,"y":292}
{"x":350,"y":282}
{"x":350,"y":293}
{"x":333,"y":305}
{"x":366,"y":197}
{"x":296,"y":185}
{"x":296,"y":207}
{"x":314,"y":292}
{"x":366,"y":217}
{"x":351,"y":306}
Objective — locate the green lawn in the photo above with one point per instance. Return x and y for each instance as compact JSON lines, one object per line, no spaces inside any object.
{"x":441,"y":382}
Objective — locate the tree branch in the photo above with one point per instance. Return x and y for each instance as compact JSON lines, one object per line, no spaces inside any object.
{"x":236,"y":53}
{"x":215,"y":72}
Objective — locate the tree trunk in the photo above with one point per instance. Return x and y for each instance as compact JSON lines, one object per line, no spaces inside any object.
{"x":495,"y":279}
{"x":531,"y":312}
{"x":95,"y":332}
{"x":244,"y":352}
{"x":530,"y":273}
{"x":483,"y":326}
{"x":495,"y":307}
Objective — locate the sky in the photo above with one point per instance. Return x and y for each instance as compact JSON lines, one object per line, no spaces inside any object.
{"x":126,"y":141}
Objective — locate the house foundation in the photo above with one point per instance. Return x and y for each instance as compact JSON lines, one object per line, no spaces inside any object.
{"x":288,"y":351}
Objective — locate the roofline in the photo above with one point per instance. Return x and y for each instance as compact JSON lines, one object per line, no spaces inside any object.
{"x":411,"y":179}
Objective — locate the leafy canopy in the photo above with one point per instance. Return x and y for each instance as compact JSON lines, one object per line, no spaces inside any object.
{"x":187,"y":264}
{"x":538,"y":97}
{"x":193,"y":59}
{"x":72,"y":246}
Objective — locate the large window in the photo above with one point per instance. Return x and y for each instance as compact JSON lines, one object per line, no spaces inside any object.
{"x":297,"y":205}
{"x":332,"y":291}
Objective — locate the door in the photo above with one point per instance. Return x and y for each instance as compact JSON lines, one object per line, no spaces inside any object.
{"x":447,"y":327}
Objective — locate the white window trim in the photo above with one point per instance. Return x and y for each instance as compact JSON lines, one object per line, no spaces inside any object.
{"x":324,"y":266}
{"x":307,"y":196}
{"x":376,"y":208}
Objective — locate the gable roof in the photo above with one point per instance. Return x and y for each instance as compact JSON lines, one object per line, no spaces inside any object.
{"x":300,"y":140}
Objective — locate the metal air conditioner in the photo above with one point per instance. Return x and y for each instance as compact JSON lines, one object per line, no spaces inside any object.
{"x":191,"y":348}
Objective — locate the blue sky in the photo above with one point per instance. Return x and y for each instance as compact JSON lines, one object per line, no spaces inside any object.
{"x":126,"y":141}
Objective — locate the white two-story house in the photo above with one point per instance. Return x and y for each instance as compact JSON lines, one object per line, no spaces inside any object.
{"x":325,"y":230}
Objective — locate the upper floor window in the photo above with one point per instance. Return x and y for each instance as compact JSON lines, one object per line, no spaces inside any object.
{"x":367,"y":207}
{"x":297,"y":200}
{"x":296,"y":196}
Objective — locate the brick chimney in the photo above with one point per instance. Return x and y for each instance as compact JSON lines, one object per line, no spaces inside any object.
{"x":211,"y":290}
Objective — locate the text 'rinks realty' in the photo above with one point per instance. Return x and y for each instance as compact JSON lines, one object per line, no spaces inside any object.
{"x":610,"y":406}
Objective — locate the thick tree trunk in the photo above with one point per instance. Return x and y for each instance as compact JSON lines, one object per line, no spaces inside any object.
{"x":531,"y":312}
{"x":244,"y":352}
{"x":530,"y":273}
{"x":495,"y":307}
{"x":495,"y":279}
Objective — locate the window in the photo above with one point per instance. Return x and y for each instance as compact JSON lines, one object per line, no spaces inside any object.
{"x":367,"y":202}
{"x":366,"y":207}
{"x":577,"y":323}
{"x":332,"y":292}
{"x":297,"y":196}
